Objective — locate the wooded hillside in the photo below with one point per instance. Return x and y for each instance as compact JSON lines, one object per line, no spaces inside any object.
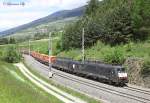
{"x":110,"y":21}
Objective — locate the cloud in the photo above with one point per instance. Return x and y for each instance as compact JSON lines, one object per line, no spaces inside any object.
{"x":5,"y":24}
{"x":63,"y":4}
{"x":11,"y":16}
{"x":70,"y":4}
{"x":9,"y":20}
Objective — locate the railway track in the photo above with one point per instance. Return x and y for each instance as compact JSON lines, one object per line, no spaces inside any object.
{"x":131,"y":93}
{"x":138,"y":90}
{"x":112,"y":91}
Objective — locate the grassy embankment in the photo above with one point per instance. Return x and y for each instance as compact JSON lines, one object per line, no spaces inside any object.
{"x":15,"y":88}
{"x":40,"y":45}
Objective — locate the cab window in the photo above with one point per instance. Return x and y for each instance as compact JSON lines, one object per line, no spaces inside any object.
{"x":119,"y":70}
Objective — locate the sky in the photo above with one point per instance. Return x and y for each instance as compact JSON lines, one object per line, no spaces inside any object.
{"x":15,"y":15}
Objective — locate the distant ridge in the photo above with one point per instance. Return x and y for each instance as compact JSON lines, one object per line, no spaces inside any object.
{"x":50,"y":18}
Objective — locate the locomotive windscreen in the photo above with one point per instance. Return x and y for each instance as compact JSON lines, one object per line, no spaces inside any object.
{"x":120,"y":70}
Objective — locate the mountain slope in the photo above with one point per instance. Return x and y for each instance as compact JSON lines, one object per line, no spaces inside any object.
{"x":43,"y":29}
{"x":50,"y":18}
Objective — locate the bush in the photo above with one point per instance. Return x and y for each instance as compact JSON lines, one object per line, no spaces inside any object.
{"x":128,"y":47}
{"x":146,"y":68}
{"x":12,"y":55}
{"x":1,"y":54}
{"x":114,"y":57}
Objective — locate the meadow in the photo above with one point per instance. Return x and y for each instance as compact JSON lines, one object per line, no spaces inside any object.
{"x":15,"y":88}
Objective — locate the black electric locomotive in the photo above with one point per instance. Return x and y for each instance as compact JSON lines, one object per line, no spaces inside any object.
{"x":99,"y":71}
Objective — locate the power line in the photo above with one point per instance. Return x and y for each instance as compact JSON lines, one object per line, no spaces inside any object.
{"x":29,"y":47}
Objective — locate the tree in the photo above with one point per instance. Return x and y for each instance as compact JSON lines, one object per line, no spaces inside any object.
{"x":112,"y":21}
{"x":12,"y":55}
{"x":92,"y":7}
{"x":12,"y":40}
{"x":140,"y":18}
{"x":3,"y":41}
{"x":118,"y":27}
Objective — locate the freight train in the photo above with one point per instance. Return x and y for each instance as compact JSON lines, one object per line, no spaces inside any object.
{"x":95,"y":70}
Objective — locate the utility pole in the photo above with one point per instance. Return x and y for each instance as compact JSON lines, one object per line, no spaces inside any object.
{"x":29,"y":47}
{"x":19,"y":48}
{"x":83,"y":54}
{"x":49,"y":50}
{"x":50,"y":53}
{"x":9,"y":40}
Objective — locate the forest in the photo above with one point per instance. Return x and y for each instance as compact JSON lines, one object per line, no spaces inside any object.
{"x":112,"y":22}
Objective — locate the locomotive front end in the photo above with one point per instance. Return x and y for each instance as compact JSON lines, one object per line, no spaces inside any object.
{"x":122,"y":76}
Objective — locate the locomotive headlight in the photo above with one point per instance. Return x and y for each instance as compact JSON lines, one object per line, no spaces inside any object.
{"x":122,"y":74}
{"x":73,"y":66}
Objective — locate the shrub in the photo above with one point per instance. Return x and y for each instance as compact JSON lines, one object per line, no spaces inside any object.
{"x":114,"y":57}
{"x":1,"y":54}
{"x":128,"y":47}
{"x":146,"y":68}
{"x":12,"y":55}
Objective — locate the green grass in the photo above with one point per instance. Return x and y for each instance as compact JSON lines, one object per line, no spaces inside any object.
{"x":40,"y":45}
{"x":2,"y":50}
{"x":15,"y":88}
{"x":70,"y":91}
{"x":100,"y":50}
